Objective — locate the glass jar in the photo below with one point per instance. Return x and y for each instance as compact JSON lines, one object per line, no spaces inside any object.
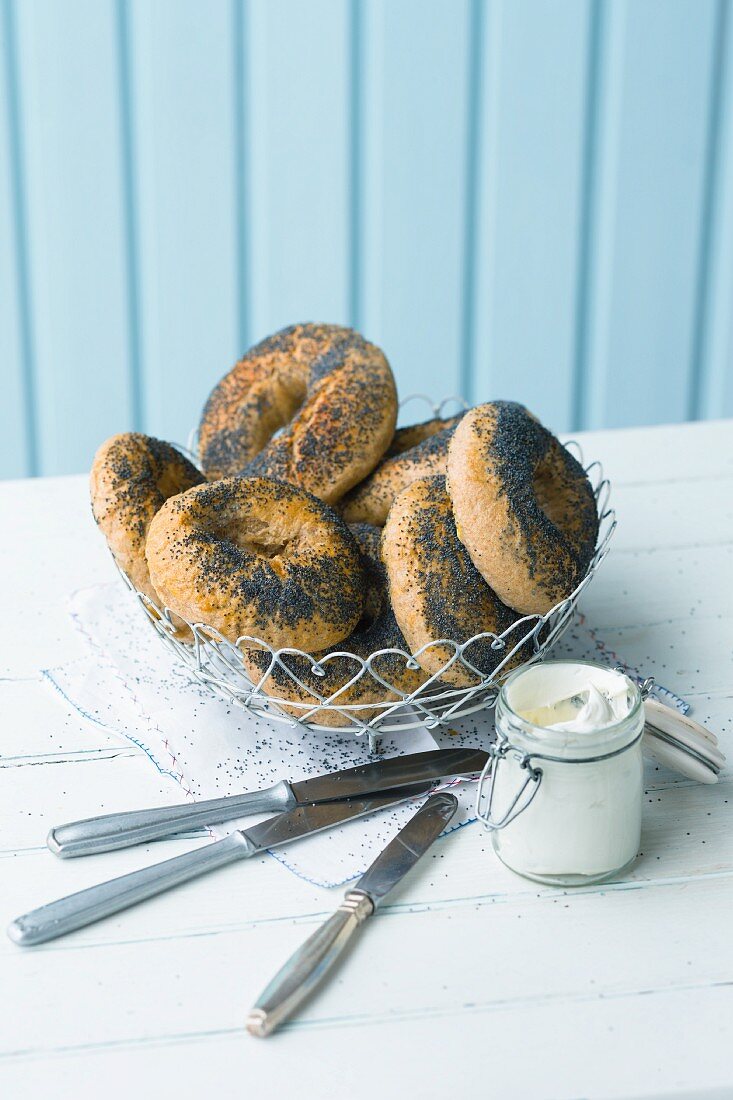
{"x":564,"y":804}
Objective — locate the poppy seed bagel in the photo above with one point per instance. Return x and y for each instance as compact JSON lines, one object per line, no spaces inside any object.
{"x":436,"y":591}
{"x":370,"y":501}
{"x":132,"y":476}
{"x":376,"y":630}
{"x":524,"y":507}
{"x":329,"y":389}
{"x":258,"y":558}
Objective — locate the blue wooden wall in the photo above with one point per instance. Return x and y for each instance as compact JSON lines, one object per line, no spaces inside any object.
{"x":517,"y":198}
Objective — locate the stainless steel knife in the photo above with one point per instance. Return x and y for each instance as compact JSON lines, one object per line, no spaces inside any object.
{"x":104,"y":834}
{"x":77,"y":910}
{"x":311,"y":962}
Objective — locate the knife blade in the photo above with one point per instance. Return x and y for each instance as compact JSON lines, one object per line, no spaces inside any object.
{"x":315,"y":958}
{"x":83,"y":908}
{"x":113,"y":831}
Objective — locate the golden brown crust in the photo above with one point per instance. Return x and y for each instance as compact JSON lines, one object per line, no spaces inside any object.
{"x":257,"y":557}
{"x":132,"y":476}
{"x":377,"y":629}
{"x":370,"y":501}
{"x":404,"y":439}
{"x":524,"y":507}
{"x":330,"y":389}
{"x":436,"y":591}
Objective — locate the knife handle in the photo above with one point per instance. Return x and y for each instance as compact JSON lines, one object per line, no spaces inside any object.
{"x":77,"y":910}
{"x":309,"y":965}
{"x":112,"y":831}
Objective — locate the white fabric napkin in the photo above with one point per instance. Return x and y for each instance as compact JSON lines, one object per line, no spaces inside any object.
{"x":130,"y":684}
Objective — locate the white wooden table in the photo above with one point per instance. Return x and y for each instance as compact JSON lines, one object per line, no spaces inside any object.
{"x":472,"y":981}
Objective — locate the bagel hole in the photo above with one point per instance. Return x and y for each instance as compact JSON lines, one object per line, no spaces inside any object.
{"x":550,"y":491}
{"x":256,"y":538}
{"x":264,"y":549}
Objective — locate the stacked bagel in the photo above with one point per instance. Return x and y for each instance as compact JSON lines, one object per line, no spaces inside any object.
{"x":315,"y":526}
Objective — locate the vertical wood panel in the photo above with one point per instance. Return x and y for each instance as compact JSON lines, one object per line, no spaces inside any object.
{"x":68,"y":77}
{"x":16,"y":443}
{"x":529,"y":221}
{"x":514,"y":197}
{"x":182,"y":64}
{"x":415,"y":65}
{"x":652,"y":143}
{"x":714,"y":397}
{"x":297,"y":118}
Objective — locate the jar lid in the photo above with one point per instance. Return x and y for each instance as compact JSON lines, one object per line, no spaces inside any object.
{"x":680,"y":743}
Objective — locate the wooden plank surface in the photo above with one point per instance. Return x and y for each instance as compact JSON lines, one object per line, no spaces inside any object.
{"x":713,"y":385}
{"x":296,"y":96}
{"x":517,"y":198}
{"x":414,"y":157}
{"x":471,"y":977}
{"x":17,"y":435}
{"x":651,"y":154}
{"x":529,"y":217}
{"x":76,"y":237}
{"x":181,"y":105}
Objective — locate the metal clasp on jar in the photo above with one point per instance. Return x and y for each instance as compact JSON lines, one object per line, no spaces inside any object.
{"x":485,"y":796}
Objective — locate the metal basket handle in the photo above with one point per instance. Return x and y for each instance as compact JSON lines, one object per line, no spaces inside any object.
{"x":518,"y":805}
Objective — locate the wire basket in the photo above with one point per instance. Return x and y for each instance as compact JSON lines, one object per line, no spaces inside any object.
{"x":218,"y":663}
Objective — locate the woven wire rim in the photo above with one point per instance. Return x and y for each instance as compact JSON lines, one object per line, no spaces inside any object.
{"x":217,"y":663}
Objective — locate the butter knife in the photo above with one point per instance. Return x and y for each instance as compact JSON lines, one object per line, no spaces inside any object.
{"x":123,"y":830}
{"x":77,"y":910}
{"x":314,"y":959}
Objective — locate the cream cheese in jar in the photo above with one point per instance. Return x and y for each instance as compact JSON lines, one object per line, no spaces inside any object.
{"x":567,"y":777}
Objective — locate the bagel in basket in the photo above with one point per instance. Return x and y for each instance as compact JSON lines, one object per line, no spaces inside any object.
{"x":437,"y":592}
{"x":524,"y":507}
{"x":329,"y":389}
{"x":376,"y":630}
{"x":132,"y":476}
{"x":406,"y":438}
{"x":370,"y":501}
{"x":259,"y":558}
